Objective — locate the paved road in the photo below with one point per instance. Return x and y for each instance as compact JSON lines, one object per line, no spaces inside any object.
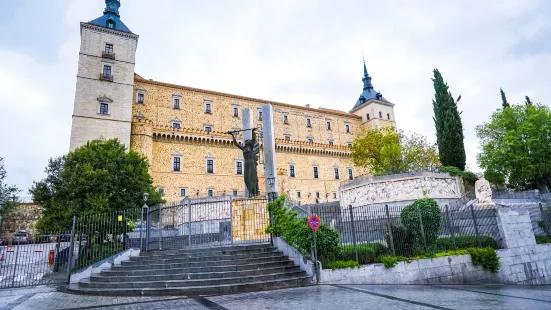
{"x":26,"y":264}
{"x":339,"y":297}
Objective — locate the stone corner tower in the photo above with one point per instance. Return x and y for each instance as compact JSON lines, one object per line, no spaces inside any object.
{"x":105,"y":79}
{"x":376,"y":111}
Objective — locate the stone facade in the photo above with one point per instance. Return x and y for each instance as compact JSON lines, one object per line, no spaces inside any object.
{"x":23,"y":217}
{"x":143,"y":114}
{"x":400,"y":188}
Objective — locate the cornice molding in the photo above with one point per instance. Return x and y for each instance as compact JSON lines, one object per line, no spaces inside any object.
{"x":109,"y":31}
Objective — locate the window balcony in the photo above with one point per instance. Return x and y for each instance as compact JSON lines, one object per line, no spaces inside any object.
{"x":108,"y":55}
{"x":104,"y":77}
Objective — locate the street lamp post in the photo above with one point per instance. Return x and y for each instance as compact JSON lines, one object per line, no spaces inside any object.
{"x":145,"y":210}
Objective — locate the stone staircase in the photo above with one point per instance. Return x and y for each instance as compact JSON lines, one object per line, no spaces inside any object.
{"x":219,"y":270}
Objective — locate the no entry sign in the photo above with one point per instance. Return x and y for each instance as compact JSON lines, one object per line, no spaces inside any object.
{"x":314,"y":222}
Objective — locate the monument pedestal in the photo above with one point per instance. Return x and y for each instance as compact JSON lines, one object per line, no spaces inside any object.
{"x":250,"y":219}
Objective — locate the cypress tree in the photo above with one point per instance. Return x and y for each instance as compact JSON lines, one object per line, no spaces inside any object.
{"x":447,"y":120}
{"x":504,"y":102}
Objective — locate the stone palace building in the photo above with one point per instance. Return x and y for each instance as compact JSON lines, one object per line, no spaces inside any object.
{"x":181,"y":129}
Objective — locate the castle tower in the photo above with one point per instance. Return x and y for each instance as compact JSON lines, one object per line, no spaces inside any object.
{"x":375,"y":110}
{"x":105,"y":79}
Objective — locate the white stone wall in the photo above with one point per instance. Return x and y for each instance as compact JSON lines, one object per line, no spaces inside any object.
{"x":373,"y":108}
{"x":515,"y":227}
{"x":88,"y":124}
{"x":399,"y":188}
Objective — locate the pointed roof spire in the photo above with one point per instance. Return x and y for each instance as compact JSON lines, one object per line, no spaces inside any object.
{"x":367,"y":79}
{"x":365,"y":68}
{"x":112,"y":7}
{"x":111,"y":17}
{"x":368,"y":90}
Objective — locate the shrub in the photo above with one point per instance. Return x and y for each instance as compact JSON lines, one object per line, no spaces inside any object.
{"x":327,"y":240}
{"x":403,"y":240}
{"x":339,"y":264}
{"x":430,"y":215}
{"x":486,"y":257}
{"x":464,"y":242}
{"x":543,"y":239}
{"x":389,"y":261}
{"x":368,"y":253}
{"x":467,"y":176}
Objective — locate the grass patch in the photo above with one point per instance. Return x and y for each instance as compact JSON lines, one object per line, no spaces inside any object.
{"x":465,"y":242}
{"x":340,"y":264}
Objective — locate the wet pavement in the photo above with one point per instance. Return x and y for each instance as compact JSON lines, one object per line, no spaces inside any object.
{"x":341,"y":297}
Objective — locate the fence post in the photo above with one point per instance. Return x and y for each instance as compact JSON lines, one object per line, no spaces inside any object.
{"x":390,"y":230}
{"x":544,"y":219}
{"x":475,"y":226}
{"x":449,"y":220}
{"x":422,"y":229}
{"x":71,"y":249}
{"x":161,"y":226}
{"x":17,"y":249}
{"x":353,"y":232}
{"x":187,"y":202}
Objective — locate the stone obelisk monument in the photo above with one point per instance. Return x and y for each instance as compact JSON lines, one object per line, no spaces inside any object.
{"x":269,"y":151}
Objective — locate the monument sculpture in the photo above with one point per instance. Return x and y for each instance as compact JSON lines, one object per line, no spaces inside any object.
{"x":250,"y":150}
{"x":483,"y":191}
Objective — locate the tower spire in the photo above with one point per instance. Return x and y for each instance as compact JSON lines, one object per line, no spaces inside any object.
{"x":366,"y":79}
{"x":112,"y":7}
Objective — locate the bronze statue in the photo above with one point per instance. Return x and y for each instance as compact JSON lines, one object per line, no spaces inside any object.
{"x":250,"y":150}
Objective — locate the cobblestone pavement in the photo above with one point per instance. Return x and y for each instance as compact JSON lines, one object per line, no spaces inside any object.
{"x":341,"y":297}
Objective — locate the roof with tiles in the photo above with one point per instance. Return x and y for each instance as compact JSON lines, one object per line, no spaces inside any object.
{"x":369,"y":92}
{"x":111,"y":18}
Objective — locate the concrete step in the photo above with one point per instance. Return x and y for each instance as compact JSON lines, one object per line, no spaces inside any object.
{"x":167,"y":255}
{"x":243,"y":261}
{"x":196,"y":275}
{"x":194,"y":283}
{"x":211,"y":249}
{"x":184,"y":259}
{"x":117,"y":271}
{"x":195,"y":290}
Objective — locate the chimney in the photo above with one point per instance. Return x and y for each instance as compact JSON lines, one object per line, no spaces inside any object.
{"x":308,"y":105}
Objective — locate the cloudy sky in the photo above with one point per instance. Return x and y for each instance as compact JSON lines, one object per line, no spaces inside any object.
{"x":298,"y":52}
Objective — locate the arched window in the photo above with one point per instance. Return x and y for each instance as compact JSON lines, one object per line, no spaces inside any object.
{"x":367,"y":116}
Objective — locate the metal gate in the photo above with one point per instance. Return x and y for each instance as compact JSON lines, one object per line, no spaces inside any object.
{"x":207,"y":222}
{"x":30,"y":260}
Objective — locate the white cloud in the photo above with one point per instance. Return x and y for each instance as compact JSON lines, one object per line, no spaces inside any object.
{"x":300,"y":52}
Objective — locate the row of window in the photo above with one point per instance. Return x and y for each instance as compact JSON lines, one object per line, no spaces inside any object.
{"x":368,"y":117}
{"x":177,"y":167}
{"x":210,"y":193}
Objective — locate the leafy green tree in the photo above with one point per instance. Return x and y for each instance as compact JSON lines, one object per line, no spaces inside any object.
{"x":9,"y":194}
{"x":96,"y":178}
{"x":449,"y":129}
{"x":386,"y":151}
{"x":504,"y":102}
{"x":516,"y":147}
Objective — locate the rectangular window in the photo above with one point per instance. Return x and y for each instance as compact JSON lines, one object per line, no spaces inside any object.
{"x":235,"y":112}
{"x":110,"y":24}
{"x":287,"y":138}
{"x":183,"y":192}
{"x":176,"y":164}
{"x":347,"y":128}
{"x":292,"y":171}
{"x":380,"y":114}
{"x":234,"y":193}
{"x":208,"y":129}
{"x":176,"y":125}
{"x":285,"y":119}
{"x":239,"y":167}
{"x":104,"y":108}
{"x":210,"y":166}
{"x":334,"y":195}
{"x":367,"y":116}
{"x":308,"y":123}
{"x":316,"y":175}
{"x":106,"y":70}
{"x":141,"y":98}
{"x":176,"y":104}
{"x":208,"y":108}
{"x":349,"y":144}
{"x":310,"y":140}
{"x":108,"y":49}
{"x":337,"y":174}
{"x":259,"y":115}
{"x":388,"y":116}
{"x":350,"y":176}
{"x":328,"y":125}
{"x":161,"y":191}
{"x":330,"y":142}
{"x":210,"y":192}
{"x":299,"y":195}
{"x":318,"y":195}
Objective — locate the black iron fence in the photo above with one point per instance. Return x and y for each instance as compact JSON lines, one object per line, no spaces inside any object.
{"x":369,"y":232}
{"x":33,"y":259}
